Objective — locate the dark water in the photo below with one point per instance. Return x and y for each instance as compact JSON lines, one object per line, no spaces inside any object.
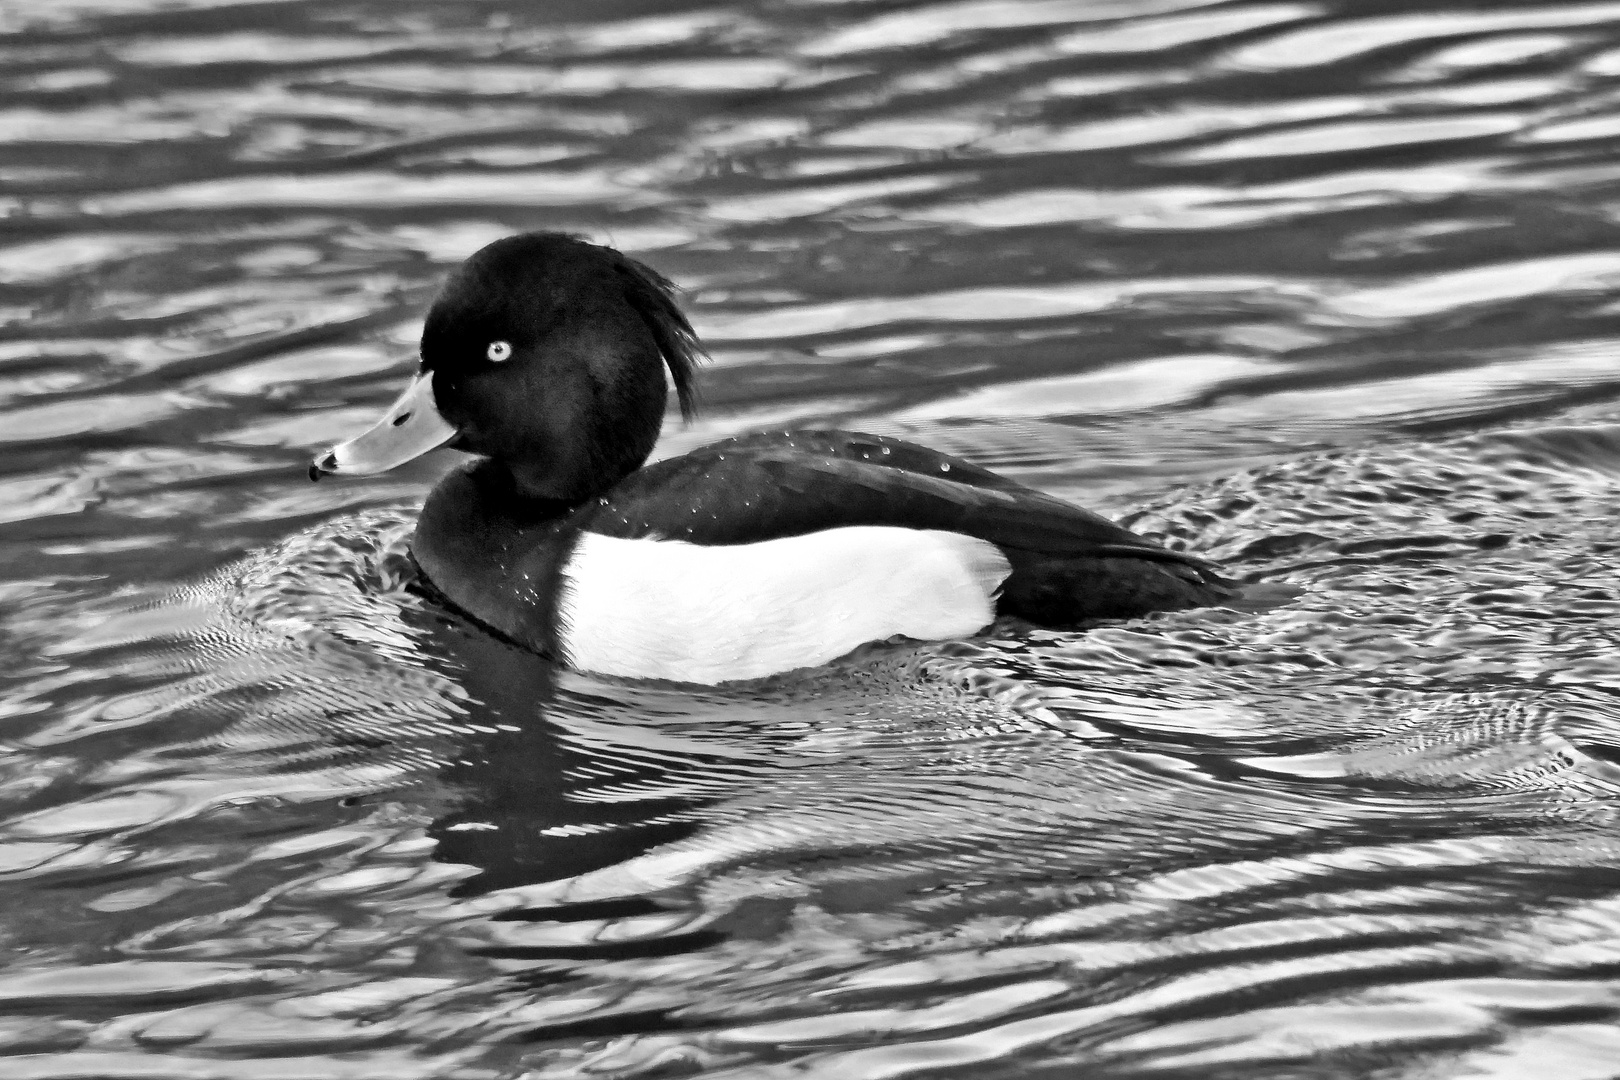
{"x":1329,"y":291}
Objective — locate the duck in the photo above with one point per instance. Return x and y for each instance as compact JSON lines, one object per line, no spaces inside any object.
{"x":550,"y":359}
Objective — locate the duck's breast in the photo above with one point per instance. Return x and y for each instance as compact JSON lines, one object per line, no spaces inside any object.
{"x":669,"y":609}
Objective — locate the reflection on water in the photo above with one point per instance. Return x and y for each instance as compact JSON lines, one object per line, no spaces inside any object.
{"x":1324,"y":290}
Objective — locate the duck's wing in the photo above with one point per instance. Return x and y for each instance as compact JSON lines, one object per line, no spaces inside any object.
{"x":766,"y":487}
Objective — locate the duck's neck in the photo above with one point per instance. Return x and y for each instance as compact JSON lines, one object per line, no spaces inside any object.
{"x":581,"y":455}
{"x":494,"y":552}
{"x":526,"y":493}
{"x":540,"y":483}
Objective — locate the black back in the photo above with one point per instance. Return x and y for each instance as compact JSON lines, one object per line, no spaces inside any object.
{"x":768,"y":486}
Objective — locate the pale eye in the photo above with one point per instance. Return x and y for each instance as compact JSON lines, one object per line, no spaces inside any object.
{"x":499,"y":350}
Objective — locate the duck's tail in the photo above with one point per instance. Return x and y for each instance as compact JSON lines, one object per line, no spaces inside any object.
{"x":1062,"y":590}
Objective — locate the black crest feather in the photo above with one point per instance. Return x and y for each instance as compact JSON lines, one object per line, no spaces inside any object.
{"x":653,"y":297}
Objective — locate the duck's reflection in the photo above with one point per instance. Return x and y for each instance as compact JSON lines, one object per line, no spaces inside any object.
{"x":559,"y":774}
{"x":529,"y":803}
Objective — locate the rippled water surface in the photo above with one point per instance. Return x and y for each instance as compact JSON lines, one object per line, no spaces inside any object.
{"x":1328,"y":291}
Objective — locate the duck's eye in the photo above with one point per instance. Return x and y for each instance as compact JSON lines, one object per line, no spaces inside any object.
{"x":499,"y":350}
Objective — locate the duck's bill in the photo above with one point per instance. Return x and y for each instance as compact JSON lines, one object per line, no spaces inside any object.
{"x":410,"y":428}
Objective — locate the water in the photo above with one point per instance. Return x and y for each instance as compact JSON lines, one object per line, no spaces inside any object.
{"x":1323,"y":290}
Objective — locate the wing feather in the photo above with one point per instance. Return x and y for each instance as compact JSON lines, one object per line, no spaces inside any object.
{"x":764,"y":487}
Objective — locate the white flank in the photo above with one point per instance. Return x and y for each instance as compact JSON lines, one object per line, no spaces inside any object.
{"x":667,"y":609}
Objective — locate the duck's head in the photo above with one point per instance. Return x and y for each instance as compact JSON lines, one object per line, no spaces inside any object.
{"x":547,"y":354}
